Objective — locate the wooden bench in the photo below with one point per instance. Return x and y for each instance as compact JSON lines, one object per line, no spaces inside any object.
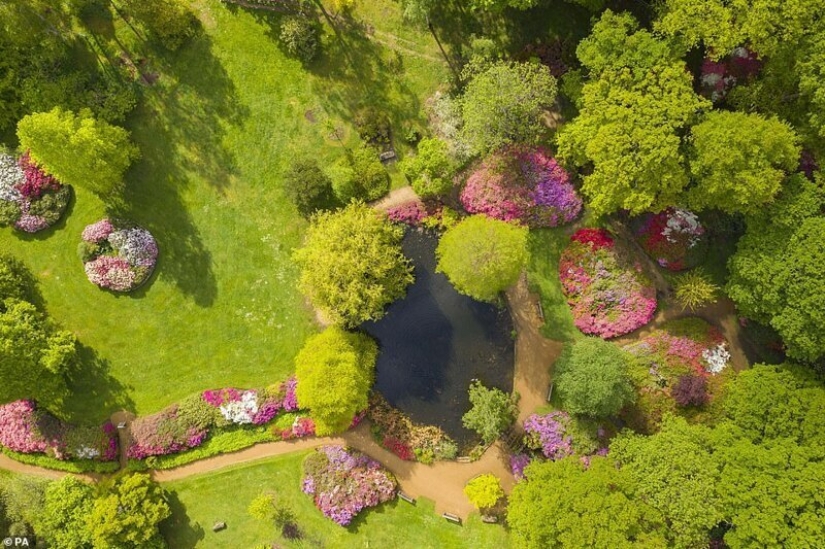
{"x":406,"y":498}
{"x":452,"y":518}
{"x":464,"y":459}
{"x":550,"y":393}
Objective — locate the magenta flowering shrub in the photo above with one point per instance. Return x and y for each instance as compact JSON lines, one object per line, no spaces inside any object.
{"x":518,"y":463}
{"x":163,"y":433}
{"x":522,"y":184}
{"x":607,"y":296}
{"x":344,"y":482}
{"x":674,"y":238}
{"x":25,"y":429}
{"x":719,"y":77}
{"x":410,"y":213}
{"x":548,"y":433}
{"x":117,"y":256}
{"x":302,"y":427}
{"x":30,"y":200}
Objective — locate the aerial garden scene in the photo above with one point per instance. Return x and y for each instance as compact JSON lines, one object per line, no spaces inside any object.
{"x":412,"y":273}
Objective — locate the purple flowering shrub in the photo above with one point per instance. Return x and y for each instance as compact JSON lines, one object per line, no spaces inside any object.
{"x":548,"y":433}
{"x":522,"y":184}
{"x":607,"y":296}
{"x":30,"y":199}
{"x":518,"y":463}
{"x":26,"y":429}
{"x":344,"y":482}
{"x":674,"y":238}
{"x":117,"y":256}
{"x":679,"y":368}
{"x":410,"y":213}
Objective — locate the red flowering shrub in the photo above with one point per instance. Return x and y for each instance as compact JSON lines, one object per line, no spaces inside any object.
{"x":607,"y":297}
{"x":398,"y":448}
{"x":674,"y":238}
{"x":397,"y":433}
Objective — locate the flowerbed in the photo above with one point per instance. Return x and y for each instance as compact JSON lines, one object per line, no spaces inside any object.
{"x":344,"y":482}
{"x":397,"y":433}
{"x":674,"y":238}
{"x":27,"y":430}
{"x":410,"y":213}
{"x":607,"y":297}
{"x":30,"y":200}
{"x":679,"y":368}
{"x":187,"y":425}
{"x":525,"y":185}
{"x":117,"y":256}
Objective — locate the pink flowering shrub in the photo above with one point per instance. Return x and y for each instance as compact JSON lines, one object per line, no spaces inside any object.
{"x":344,"y":482}
{"x":25,"y":429}
{"x":30,"y":200}
{"x":302,"y":427}
{"x":548,"y":433}
{"x":674,"y":238}
{"x":607,"y":297}
{"x":117,"y":257}
{"x":163,"y":433}
{"x":522,"y":184}
{"x":410,"y":213}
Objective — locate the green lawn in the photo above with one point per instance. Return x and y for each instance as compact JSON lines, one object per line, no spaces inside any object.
{"x":199,"y":502}
{"x":216,"y":131}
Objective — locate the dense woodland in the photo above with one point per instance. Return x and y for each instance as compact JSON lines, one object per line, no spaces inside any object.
{"x":652,"y":166}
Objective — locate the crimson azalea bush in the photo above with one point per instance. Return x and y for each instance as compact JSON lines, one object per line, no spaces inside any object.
{"x":674,"y":238}
{"x":26,"y":429}
{"x":522,"y":184}
{"x":344,"y":482}
{"x":117,"y":256}
{"x":30,"y":200}
{"x":607,"y":296}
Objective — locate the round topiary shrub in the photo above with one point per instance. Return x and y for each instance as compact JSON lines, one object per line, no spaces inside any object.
{"x":117,"y":256}
{"x":30,"y":200}
{"x":608,"y":295}
{"x":674,"y":238}
{"x":522,"y":184}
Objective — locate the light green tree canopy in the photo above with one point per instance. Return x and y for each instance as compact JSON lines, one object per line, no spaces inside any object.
{"x":352,"y":265}
{"x":636,"y":104}
{"x":562,"y":504}
{"x":77,"y":149}
{"x":35,"y":357}
{"x":63,"y":521}
{"x":127,"y":512}
{"x":492,"y":412}
{"x":482,"y":256}
{"x":503,"y":105}
{"x":484,"y":491}
{"x":739,"y":160}
{"x":591,"y":378}
{"x":335,"y":371}
{"x":432,"y":169}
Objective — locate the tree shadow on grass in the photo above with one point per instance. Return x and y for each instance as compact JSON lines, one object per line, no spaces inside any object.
{"x":179,"y":530}
{"x":96,"y":393}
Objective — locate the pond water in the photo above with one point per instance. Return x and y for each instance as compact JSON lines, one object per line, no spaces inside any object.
{"x":435,"y":341}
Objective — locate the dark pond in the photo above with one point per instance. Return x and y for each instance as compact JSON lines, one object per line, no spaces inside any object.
{"x":435,"y":341}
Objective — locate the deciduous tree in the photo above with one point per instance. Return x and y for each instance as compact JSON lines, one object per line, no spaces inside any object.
{"x":482,"y":256}
{"x":335,"y":371}
{"x":352,"y":265}
{"x":492,"y":412}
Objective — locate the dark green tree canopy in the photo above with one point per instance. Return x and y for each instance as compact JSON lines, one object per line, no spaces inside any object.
{"x":503,"y":104}
{"x":591,"y":378}
{"x":309,"y":188}
{"x":492,"y":412}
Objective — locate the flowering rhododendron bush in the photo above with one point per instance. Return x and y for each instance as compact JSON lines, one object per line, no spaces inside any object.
{"x":30,"y":200}
{"x":410,"y":213}
{"x":684,"y":354}
{"x":674,"y":238}
{"x":26,"y":429}
{"x":117,"y":256}
{"x":556,"y":435}
{"x":187,"y":424}
{"x":344,"y":482}
{"x":608,"y":295}
{"x":522,"y":184}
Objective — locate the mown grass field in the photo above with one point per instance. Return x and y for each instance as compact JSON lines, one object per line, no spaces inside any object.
{"x":198,"y":502}
{"x":216,"y":131}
